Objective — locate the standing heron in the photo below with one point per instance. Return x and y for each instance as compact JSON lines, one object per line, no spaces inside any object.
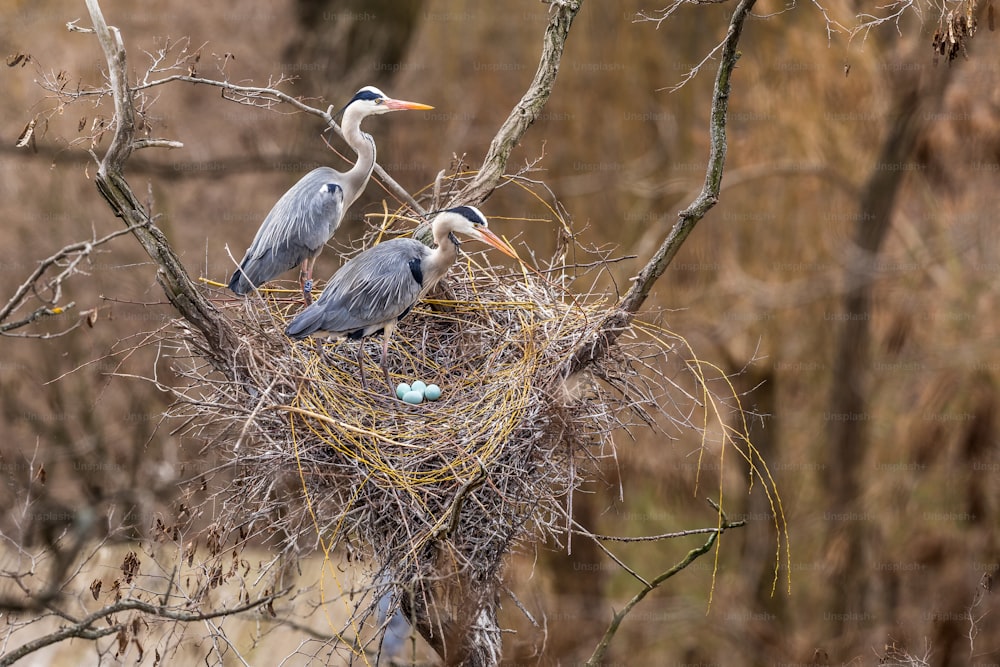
{"x":373,"y":290}
{"x":306,"y":217}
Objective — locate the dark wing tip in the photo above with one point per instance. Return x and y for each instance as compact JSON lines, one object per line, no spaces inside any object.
{"x":294,"y":332}
{"x":238,"y":283}
{"x":304,"y":323}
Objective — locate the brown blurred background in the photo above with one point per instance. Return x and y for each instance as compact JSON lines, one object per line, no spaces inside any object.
{"x":758,"y":287}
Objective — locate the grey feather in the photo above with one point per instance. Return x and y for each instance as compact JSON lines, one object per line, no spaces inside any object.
{"x":379,"y":286}
{"x":297,"y":228}
{"x":305,"y":217}
{"x":373,"y":289}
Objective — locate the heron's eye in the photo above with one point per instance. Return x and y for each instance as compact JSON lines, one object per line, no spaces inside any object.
{"x":379,"y":100}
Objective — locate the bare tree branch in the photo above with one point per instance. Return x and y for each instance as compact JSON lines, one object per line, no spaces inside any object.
{"x":663,"y":536}
{"x":75,"y":252}
{"x":38,"y":314}
{"x":172,"y":276}
{"x":617,"y":319}
{"x":527,"y":109}
{"x":602,"y":647}
{"x":84,"y":629}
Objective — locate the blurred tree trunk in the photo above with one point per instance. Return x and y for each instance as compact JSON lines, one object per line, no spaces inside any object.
{"x":915,"y":96}
{"x":579,"y":587}
{"x":345,"y":44}
{"x":978,"y":442}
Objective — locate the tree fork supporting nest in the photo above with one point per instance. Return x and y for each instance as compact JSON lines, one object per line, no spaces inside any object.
{"x":456,"y":610}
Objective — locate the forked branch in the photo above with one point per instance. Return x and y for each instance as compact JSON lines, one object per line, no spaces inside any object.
{"x":67,"y":260}
{"x":84,"y":628}
{"x":602,"y":647}
{"x":618,"y":318}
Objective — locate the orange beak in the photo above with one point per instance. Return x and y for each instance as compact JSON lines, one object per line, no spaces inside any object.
{"x":401,"y":105}
{"x":486,"y":236}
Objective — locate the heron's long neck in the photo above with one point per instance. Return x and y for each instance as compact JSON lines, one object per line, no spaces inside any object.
{"x":356,"y":178}
{"x":440,"y":260}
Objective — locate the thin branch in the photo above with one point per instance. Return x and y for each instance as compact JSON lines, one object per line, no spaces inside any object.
{"x":83,"y":629}
{"x":664,"y":536}
{"x":248,"y":95}
{"x":693,"y":72}
{"x":602,"y":648}
{"x":618,"y":319}
{"x":664,"y":14}
{"x":56,"y":637}
{"x":80,"y":250}
{"x":527,"y":109}
{"x":38,"y":314}
{"x":156,"y":143}
{"x":610,"y":554}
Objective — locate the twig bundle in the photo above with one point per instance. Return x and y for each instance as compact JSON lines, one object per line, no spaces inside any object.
{"x":492,"y":462}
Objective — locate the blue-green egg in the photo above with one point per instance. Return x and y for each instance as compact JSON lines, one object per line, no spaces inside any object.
{"x":402,"y":389}
{"x":418,"y":385}
{"x":432,"y":392}
{"x":414,"y":397}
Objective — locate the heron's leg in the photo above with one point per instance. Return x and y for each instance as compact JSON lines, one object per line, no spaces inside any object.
{"x":321,"y":344}
{"x":361,"y":365}
{"x":305,"y":279}
{"x":386,"y":333}
{"x":385,"y":369}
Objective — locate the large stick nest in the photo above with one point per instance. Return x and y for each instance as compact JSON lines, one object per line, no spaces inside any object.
{"x":493,"y":462}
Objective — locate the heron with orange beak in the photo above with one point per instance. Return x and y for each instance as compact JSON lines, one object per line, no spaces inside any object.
{"x":376,"y":288}
{"x":307,"y":216}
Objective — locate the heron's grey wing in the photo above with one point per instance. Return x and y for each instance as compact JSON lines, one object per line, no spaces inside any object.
{"x":317,"y":203}
{"x":375,"y":287}
{"x":297,"y":227}
{"x":303,"y":219}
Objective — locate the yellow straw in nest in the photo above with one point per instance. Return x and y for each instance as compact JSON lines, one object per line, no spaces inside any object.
{"x":495,"y":412}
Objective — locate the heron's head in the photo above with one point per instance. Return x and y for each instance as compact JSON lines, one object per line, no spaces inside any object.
{"x":468,"y":221}
{"x":370,"y":101}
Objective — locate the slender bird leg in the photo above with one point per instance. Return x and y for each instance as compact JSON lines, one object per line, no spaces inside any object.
{"x":385,"y":354}
{"x":361,"y":365}
{"x":388,"y":383}
{"x":305,"y":279}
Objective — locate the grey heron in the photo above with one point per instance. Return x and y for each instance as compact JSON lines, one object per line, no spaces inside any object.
{"x":306,"y":217}
{"x":376,"y":288}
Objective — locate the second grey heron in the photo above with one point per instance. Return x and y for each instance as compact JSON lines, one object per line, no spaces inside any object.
{"x":376,"y":288}
{"x":306,"y":217}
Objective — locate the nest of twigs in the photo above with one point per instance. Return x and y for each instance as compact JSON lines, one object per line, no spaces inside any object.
{"x":492,"y":463}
